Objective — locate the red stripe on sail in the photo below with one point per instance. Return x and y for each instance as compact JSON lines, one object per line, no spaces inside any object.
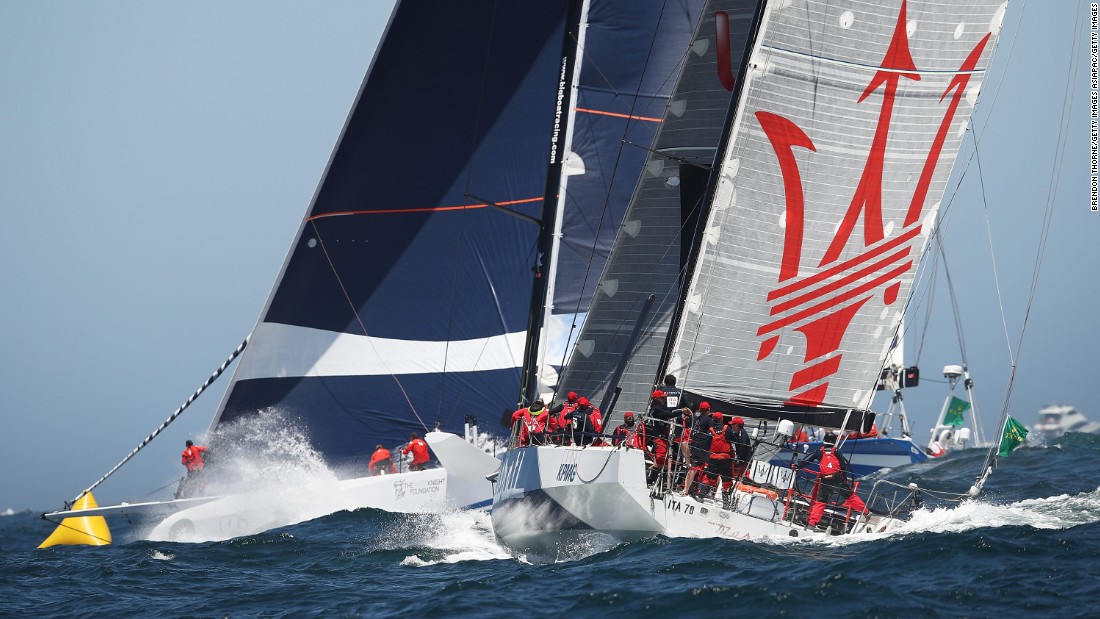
{"x":618,"y":115}
{"x":831,"y":303}
{"x":815,"y":373}
{"x":840,"y":283}
{"x":843,"y":266}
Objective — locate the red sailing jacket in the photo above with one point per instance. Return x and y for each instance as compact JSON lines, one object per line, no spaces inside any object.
{"x":719,"y":445}
{"x":379,"y":456}
{"x":419,"y":451}
{"x":192,"y":457}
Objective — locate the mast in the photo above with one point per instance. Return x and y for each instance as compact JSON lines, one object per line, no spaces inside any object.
{"x":540,"y":288}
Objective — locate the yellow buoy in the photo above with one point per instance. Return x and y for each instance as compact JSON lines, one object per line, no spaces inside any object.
{"x":81,"y":530}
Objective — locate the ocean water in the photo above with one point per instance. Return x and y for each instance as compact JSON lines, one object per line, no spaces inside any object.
{"x":1028,"y":546}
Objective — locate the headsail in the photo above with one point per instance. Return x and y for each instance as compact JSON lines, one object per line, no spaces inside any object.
{"x":396,"y":307}
{"x":631,"y":55}
{"x":403,"y":302}
{"x":623,"y":338}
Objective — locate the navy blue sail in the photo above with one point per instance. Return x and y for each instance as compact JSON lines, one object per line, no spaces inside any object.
{"x":401,"y":298}
{"x":632,"y":55}
{"x":404,"y":301}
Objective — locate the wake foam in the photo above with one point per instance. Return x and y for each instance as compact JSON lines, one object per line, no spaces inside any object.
{"x":1055,"y":512}
{"x":446,"y":538}
{"x":266,"y":461}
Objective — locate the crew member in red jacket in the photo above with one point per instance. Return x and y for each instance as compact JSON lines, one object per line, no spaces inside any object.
{"x":419,"y":451}
{"x":834,"y":488}
{"x":558,"y":425}
{"x":629,"y":434}
{"x":192,"y":459}
{"x":532,"y":428}
{"x":381,"y":462}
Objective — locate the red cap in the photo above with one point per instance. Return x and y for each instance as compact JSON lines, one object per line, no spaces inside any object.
{"x":738,"y":421}
{"x":572,"y":396}
{"x":704,"y":406}
{"x":583,"y":401}
{"x":658,"y":394}
{"x":628,"y":415}
{"x":716,"y":416}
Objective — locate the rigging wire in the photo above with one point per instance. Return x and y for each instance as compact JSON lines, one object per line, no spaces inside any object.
{"x":1044,"y":233}
{"x":627,"y":126}
{"x":359,"y":320}
{"x":209,"y":381}
{"x":992,"y":253}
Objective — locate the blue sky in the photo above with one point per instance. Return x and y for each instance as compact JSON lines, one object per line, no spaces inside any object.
{"x":156,"y":158}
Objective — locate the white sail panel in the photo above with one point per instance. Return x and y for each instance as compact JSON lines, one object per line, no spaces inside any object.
{"x":846,"y":130}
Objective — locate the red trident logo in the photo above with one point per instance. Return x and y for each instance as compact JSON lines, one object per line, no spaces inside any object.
{"x":822,"y":305}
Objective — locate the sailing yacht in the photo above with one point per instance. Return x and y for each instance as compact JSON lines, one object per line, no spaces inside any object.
{"x":765,"y":261}
{"x":401,"y":305}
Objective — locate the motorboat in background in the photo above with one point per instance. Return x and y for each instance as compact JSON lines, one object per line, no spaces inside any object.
{"x":1057,"y":419}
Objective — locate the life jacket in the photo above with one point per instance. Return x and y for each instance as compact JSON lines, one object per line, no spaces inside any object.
{"x":672,"y":396}
{"x":830,"y":465}
{"x":530,"y":423}
{"x":719,"y":446}
{"x":544,"y":419}
{"x":630,"y":436}
{"x":381,"y":458}
{"x":582,"y":422}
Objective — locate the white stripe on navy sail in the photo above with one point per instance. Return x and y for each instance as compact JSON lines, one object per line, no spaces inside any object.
{"x":286,"y":351}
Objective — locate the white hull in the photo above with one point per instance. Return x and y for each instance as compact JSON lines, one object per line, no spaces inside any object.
{"x":549,"y":494}
{"x":459,"y":484}
{"x":248,"y":514}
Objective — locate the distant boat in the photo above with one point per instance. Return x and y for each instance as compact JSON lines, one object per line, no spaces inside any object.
{"x":1057,"y":419}
{"x":769,"y":260}
{"x":952,"y":431}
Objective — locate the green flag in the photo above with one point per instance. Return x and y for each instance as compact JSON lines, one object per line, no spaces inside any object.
{"x":954,"y":414}
{"x":1014,"y":434}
